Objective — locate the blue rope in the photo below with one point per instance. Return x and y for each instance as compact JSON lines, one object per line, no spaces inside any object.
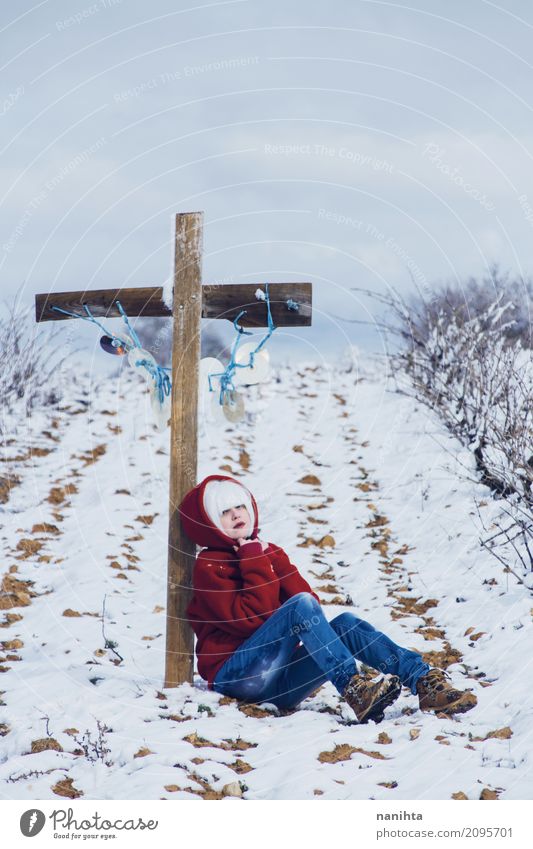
{"x":128,"y":325}
{"x":116,"y":340}
{"x":162,"y":381}
{"x":226,"y":377}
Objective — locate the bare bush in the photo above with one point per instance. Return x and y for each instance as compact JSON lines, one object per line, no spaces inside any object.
{"x":30,"y":363}
{"x":472,"y":299}
{"x":478,"y":384}
{"x":470,"y":360}
{"x":95,"y":748}
{"x":512,"y":541}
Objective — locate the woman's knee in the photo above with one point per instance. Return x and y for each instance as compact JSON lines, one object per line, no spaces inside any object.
{"x":345,"y":622}
{"x":307,"y":610}
{"x":305,"y":601}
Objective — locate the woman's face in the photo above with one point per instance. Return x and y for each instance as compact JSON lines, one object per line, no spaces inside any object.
{"x":236,"y":521}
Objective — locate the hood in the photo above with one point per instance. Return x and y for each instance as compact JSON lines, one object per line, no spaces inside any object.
{"x":197,"y":524}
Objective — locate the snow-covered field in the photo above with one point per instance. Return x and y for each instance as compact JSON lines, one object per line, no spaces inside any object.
{"x":371,"y":499}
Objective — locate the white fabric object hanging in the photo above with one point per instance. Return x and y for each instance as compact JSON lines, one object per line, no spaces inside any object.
{"x":137,"y":354}
{"x":209,"y":410}
{"x":161,"y":411}
{"x":233,"y":407}
{"x":251,"y":375}
{"x":215,"y":408}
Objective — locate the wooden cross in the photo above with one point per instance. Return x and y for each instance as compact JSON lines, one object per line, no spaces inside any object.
{"x":192,"y":301}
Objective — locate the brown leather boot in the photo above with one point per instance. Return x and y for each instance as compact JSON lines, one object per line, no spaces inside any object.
{"x":368,"y":699}
{"x":435,"y":692}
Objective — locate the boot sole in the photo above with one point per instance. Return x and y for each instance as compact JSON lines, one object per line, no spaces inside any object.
{"x":377,"y":710}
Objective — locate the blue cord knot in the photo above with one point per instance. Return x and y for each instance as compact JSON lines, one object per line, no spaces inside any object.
{"x":227,"y":386}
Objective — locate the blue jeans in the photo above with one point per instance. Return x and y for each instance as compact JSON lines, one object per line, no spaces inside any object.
{"x":269,"y":667}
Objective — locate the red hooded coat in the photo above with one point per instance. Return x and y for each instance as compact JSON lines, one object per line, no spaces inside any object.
{"x":234,"y":592}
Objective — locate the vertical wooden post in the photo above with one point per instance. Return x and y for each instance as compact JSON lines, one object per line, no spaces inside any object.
{"x":186,"y":312}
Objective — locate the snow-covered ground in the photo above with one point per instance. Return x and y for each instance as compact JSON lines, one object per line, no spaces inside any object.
{"x":376,"y":505}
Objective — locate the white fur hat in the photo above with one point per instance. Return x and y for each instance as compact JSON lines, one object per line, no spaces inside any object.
{"x":221,"y":495}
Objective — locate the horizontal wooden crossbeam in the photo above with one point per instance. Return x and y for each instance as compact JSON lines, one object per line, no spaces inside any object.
{"x":218,"y":301}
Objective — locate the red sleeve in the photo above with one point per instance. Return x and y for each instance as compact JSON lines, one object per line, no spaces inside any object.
{"x":290,"y":579}
{"x":238,"y":610}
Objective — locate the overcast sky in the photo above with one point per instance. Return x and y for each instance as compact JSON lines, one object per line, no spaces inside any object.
{"x":350,"y":143}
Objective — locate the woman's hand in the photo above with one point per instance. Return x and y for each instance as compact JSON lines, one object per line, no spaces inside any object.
{"x":242,"y":541}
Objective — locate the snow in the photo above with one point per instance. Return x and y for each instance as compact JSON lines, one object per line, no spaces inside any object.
{"x":168,"y":292}
{"x":378,"y":455}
